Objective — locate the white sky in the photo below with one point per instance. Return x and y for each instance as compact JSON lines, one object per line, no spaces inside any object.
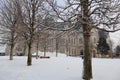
{"x":61,"y":2}
{"x":115,"y":37}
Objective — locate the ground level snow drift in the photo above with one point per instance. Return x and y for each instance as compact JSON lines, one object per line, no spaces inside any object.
{"x":57,"y":68}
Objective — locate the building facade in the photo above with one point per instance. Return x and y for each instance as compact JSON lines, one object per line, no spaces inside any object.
{"x":68,"y":42}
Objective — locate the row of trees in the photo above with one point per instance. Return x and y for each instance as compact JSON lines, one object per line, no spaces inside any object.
{"x":22,"y":20}
{"x":26,"y":18}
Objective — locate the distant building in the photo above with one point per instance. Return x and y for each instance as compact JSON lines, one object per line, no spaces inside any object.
{"x":2,"y":50}
{"x":69,"y":42}
{"x":72,"y":43}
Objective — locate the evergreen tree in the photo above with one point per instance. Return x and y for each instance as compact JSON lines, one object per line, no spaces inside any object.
{"x":117,"y":50}
{"x":103,"y":46}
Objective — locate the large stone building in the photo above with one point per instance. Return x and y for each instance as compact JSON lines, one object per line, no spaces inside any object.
{"x":68,"y":42}
{"x":71,"y":42}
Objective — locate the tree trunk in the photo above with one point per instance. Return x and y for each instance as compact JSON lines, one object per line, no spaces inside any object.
{"x":66,"y":45}
{"x":56,"y":51}
{"x":45,"y":46}
{"x":12,"y":45}
{"x":87,"y":59}
{"x":67,"y":53}
{"x":56,"y":47}
{"x":29,"y":59}
{"x":87,"y":74}
{"x":11,"y":51}
{"x":37,"y":49}
{"x":45,"y":51}
{"x":24,"y":50}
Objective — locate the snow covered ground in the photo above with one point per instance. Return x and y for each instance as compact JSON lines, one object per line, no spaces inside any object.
{"x":57,"y":68}
{"x":53,"y":54}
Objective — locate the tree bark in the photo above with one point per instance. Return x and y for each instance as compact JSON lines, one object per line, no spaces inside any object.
{"x":87,"y":59}
{"x":29,"y":59}
{"x":37,"y":49}
{"x":24,"y":50}
{"x":67,"y":52}
{"x":32,"y":30}
{"x":11,"y":51}
{"x":45,"y":50}
{"x":87,"y":74}
{"x":57,"y":42}
{"x":12,"y":45}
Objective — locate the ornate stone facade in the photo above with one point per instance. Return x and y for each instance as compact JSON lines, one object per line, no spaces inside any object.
{"x":68,"y":42}
{"x":72,"y":43}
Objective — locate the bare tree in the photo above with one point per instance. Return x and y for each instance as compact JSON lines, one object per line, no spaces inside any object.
{"x":57,"y":45}
{"x":32,"y":15}
{"x":37,"y":45}
{"x":9,"y":16}
{"x":89,"y":14}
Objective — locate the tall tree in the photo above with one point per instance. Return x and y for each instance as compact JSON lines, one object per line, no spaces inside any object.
{"x":31,"y":7}
{"x":32,"y":17}
{"x":117,"y":50}
{"x":37,"y":44}
{"x":103,"y":46}
{"x":89,"y":14}
{"x":9,"y":15}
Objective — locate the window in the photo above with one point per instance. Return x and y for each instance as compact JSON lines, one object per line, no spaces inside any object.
{"x":80,"y":40}
{"x":68,"y":40}
{"x":74,"y":40}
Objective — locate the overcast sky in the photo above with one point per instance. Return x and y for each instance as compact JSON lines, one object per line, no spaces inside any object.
{"x":115,"y":37}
